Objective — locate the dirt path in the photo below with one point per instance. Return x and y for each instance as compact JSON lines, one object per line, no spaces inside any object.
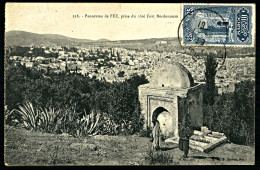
{"x":35,"y":148}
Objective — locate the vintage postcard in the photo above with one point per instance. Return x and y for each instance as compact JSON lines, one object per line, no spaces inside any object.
{"x":129,"y":84}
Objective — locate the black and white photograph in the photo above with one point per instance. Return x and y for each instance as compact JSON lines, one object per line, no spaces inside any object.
{"x":134,"y":84}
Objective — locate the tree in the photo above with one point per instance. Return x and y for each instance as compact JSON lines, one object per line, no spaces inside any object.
{"x":91,"y":52}
{"x":98,"y":53}
{"x":48,"y":71}
{"x":121,"y":74}
{"x":234,"y":114}
{"x":210,"y":73}
{"x":38,"y":51}
{"x":118,"y":55}
{"x":106,"y":53}
{"x":66,"y":67}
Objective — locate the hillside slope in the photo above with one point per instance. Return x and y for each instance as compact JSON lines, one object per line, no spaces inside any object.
{"x":27,"y":38}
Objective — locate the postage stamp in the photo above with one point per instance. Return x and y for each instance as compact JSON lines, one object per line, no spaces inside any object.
{"x":217,"y":24}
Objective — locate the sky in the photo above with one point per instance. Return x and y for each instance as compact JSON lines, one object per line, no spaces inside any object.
{"x":57,"y":18}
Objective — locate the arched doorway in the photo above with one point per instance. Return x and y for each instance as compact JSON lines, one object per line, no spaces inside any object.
{"x":166,"y":120}
{"x":156,"y":113}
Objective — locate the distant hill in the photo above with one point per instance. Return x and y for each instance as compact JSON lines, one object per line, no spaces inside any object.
{"x":149,"y":40}
{"x":103,"y":39}
{"x":24,"y":38}
{"x":27,"y":38}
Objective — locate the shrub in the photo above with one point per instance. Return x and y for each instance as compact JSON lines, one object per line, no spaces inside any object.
{"x":158,"y":158}
{"x":29,"y":115}
{"x":233,"y":114}
{"x":11,"y":118}
{"x":146,"y":133}
{"x":107,"y":125}
{"x":69,"y":119}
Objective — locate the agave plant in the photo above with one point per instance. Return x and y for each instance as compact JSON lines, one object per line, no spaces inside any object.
{"x":30,"y":115}
{"x":88,"y":124}
{"x":47,"y":119}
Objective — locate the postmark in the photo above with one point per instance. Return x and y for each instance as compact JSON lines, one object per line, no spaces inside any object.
{"x":200,"y":48}
{"x":217,"y":25}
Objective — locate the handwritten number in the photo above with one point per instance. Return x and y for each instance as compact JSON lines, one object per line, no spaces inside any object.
{"x":201,"y":24}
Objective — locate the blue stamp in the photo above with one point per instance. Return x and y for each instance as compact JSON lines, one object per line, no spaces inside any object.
{"x":217,"y":25}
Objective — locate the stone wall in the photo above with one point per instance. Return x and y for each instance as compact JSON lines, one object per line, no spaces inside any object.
{"x":195,"y":105}
{"x":192,"y":104}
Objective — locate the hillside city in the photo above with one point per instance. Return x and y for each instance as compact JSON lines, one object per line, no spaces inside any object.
{"x":118,"y":64}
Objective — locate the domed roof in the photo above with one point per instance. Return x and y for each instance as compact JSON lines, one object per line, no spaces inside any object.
{"x":172,"y":75}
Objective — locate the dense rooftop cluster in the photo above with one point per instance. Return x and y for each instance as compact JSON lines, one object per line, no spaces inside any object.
{"x":118,"y":64}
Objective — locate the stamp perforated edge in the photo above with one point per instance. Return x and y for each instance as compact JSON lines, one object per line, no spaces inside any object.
{"x":180,"y":31}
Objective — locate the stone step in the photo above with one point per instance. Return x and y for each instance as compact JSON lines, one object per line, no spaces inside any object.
{"x":201,"y":146}
{"x":211,"y":139}
{"x":212,"y":146}
{"x":198,"y":143}
{"x":204,"y":129}
{"x":196,"y":132}
{"x":204,"y":140}
{"x":207,"y":147}
{"x":217,"y":134}
{"x":214,"y":136}
{"x":197,"y":148}
{"x":200,"y":138}
{"x":201,"y":133}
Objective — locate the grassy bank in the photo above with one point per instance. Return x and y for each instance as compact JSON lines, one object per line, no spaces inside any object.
{"x":25,"y":147}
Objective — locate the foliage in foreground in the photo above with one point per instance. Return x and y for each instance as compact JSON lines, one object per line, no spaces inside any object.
{"x":57,"y":121}
{"x":74,"y":97}
{"x":233,"y":114}
{"x":66,"y":121}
